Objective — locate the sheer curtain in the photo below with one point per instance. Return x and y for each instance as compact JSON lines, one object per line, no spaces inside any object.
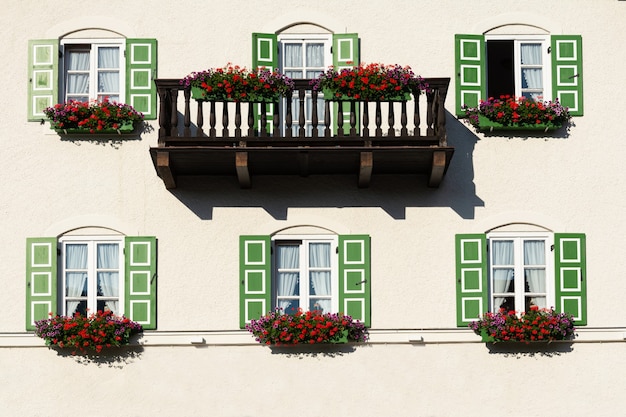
{"x":108,"y":281}
{"x":502,"y":277}
{"x":319,"y":257}
{"x":109,"y":81}
{"x":78,"y":83}
{"x":532,"y":77}
{"x":75,"y":281}
{"x":287,"y":281}
{"x":535,"y":254}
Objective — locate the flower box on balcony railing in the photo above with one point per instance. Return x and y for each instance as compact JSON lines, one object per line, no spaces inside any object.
{"x":334,"y":95}
{"x":486,"y":125}
{"x":200,"y":94}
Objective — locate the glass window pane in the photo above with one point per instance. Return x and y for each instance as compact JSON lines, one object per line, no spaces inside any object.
{"x":78,"y":61}
{"x":293,"y":55}
{"x":534,"y":252}
{"x":108,"y":82}
{"x":319,"y":255}
{"x":530,"y":53}
{"x":109,"y":57}
{"x":294,"y":75}
{"x":504,"y":303}
{"x":532,"y":78}
{"x":320,"y":283}
{"x":535,"y":280}
{"x":502,"y":252}
{"x":535,"y":301}
{"x":315,"y":55}
{"x":288,"y":256}
{"x":108,"y":305}
{"x":76,"y":284}
{"x":108,"y":256}
{"x":287,"y":284}
{"x":320,"y":304}
{"x":73,"y":307}
{"x":76,"y":256}
{"x":108,"y":284}
{"x":77,"y":84}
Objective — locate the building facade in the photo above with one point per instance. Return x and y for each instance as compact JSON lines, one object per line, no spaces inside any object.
{"x":160,"y":223}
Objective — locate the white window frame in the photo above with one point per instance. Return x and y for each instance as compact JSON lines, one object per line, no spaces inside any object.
{"x":519,"y":291}
{"x":94,"y":45}
{"x":92,"y":298}
{"x":303,"y":281}
{"x":304,"y":39}
{"x":546,"y":66}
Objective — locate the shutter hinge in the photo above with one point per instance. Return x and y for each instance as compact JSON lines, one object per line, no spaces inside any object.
{"x":337,"y":249}
{"x":573,"y":76}
{"x":549,"y":49}
{"x":551,"y":248}
{"x":331,"y":49}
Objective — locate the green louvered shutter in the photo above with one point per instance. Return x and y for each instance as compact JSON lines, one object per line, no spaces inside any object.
{"x":471,"y":278}
{"x":570,"y":275}
{"x":141,"y":70}
{"x":255,"y":278}
{"x":43,"y":76}
{"x":567,"y":72}
{"x":140,"y":280}
{"x":41,"y":279}
{"x":471,"y":74}
{"x":264,"y":54}
{"x":354,"y":277}
{"x":345,"y":55}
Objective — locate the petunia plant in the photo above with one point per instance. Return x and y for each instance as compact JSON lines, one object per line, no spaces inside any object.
{"x":235,"y":83}
{"x":95,"y":332}
{"x":94,"y":117}
{"x":371,"y":82}
{"x":311,"y":327}
{"x":510,"y":111}
{"x":534,"y":325}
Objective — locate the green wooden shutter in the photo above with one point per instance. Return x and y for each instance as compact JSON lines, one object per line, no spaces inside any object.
{"x":140,"y":280}
{"x":41,"y":279}
{"x":141,"y":70}
{"x":264,"y":54}
{"x":472,"y":297}
{"x":567,"y":72}
{"x":345,"y":55}
{"x":255,"y":278}
{"x":570,"y":275}
{"x":354,"y":277}
{"x":471,"y":71}
{"x":43,"y":76}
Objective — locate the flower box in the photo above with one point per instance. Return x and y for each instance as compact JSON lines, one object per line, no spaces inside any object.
{"x":486,"y":125}
{"x":101,"y":117}
{"x":125,"y":128}
{"x":334,"y":95}
{"x":234,"y":83}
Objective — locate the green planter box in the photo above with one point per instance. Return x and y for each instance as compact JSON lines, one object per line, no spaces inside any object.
{"x":486,"y":125}
{"x":330,"y":95}
{"x":200,"y":94}
{"x":124,"y":129}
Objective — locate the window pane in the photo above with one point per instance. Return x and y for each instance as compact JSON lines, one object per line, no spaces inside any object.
{"x":502,"y":252}
{"x":78,"y":61}
{"x":535,"y":302}
{"x":108,"y":284}
{"x":504,"y":303}
{"x":293,"y":55}
{"x":320,"y":304}
{"x":315,"y":55}
{"x":320,"y":283}
{"x":287,"y":284}
{"x":76,"y":284}
{"x":108,"y":256}
{"x":108,"y":305}
{"x":530,"y":53}
{"x":534,"y":252}
{"x":294,"y":75}
{"x":73,"y":307}
{"x":319,"y":255}
{"x":313,"y":74}
{"x":78,"y":84}
{"x":288,"y":256}
{"x":76,"y":256}
{"x":535,"y":280}
{"x":108,"y":82}
{"x":109,"y":57}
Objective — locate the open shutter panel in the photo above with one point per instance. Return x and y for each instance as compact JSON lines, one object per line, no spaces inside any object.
{"x":141,"y":69}
{"x":255,"y":278}
{"x":43,"y":76}
{"x":140,"y":280}
{"x":567,"y":72}
{"x":470,"y":71}
{"x":354,"y":277}
{"x":264,"y":54}
{"x":471,"y":278}
{"x":345,"y":55}
{"x":41,"y":279}
{"x":570,"y":275}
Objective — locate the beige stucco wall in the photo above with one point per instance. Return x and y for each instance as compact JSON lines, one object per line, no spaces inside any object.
{"x":565,"y":184}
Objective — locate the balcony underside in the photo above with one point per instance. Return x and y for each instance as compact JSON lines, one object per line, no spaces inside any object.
{"x":298,"y":159}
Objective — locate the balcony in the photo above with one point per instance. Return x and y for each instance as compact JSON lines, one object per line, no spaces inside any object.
{"x":358,"y":144}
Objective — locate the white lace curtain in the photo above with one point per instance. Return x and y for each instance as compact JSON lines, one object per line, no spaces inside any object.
{"x":287,"y":281}
{"x":532,"y":77}
{"x":109,"y":281}
{"x":319,"y":257}
{"x":75,"y":281}
{"x":535,"y":255}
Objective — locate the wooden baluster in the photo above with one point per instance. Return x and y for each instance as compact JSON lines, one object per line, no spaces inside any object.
{"x":187,"y":115}
{"x":237,"y":119}
{"x":441,"y":122}
{"x":164,"y":117}
{"x":174,"y":112}
{"x":263,"y":124}
{"x":340,"y":118}
{"x":301,"y":115}
{"x":430,"y":96}
{"x":403,"y":120}
{"x":314,"y":120}
{"x":378,"y":119}
{"x":212,"y":120}
{"x":276,"y":120}
{"x":224,"y":119}
{"x":391,"y":119}
{"x":200,"y":119}
{"x":366,"y":120}
{"x":353,"y":118}
{"x":288,"y":116}
{"x":416,"y":115}
{"x":250,"y":120}
{"x":327,"y":131}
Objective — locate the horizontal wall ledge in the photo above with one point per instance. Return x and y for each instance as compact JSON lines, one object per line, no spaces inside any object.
{"x":377,"y":337}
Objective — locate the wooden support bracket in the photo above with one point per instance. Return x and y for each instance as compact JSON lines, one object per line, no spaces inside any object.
{"x":365,"y":169}
{"x":303,"y":162}
{"x":438,"y":169}
{"x":243,"y":174}
{"x":165,"y":170}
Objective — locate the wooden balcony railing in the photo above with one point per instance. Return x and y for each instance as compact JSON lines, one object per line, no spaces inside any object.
{"x":364,"y":140}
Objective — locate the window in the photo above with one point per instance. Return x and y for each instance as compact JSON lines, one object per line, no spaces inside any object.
{"x":90,"y":69}
{"x":305,"y":275}
{"x":326,"y":272}
{"x":519,"y":269}
{"x":93,"y":71}
{"x":541,"y":67}
{"x":82,"y":274}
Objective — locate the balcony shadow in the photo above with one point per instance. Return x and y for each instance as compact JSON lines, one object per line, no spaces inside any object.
{"x":392,"y":193}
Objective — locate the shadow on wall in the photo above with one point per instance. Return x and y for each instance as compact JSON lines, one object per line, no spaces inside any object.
{"x":392,"y":193}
